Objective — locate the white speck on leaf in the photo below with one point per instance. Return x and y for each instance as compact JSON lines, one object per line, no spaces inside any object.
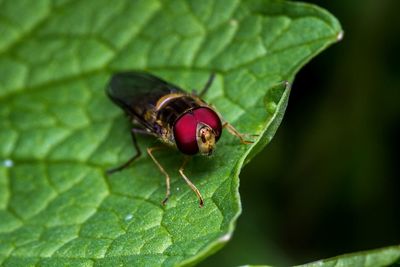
{"x":128,"y":217}
{"x":8,"y":163}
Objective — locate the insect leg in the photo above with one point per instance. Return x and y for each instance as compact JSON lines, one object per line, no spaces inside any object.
{"x":126,"y":164}
{"x":207,"y":85}
{"x":192,"y":186}
{"x":236,"y":133}
{"x":141,"y":131}
{"x":167,"y":178}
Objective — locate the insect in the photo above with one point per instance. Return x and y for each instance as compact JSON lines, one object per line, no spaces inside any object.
{"x":177,"y":118}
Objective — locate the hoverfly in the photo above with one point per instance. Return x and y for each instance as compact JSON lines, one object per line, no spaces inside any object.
{"x":177,"y":118}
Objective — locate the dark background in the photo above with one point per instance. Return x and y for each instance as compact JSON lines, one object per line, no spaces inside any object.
{"x":329,"y":183}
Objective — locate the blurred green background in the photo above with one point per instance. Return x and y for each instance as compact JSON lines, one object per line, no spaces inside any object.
{"x":328,"y":183}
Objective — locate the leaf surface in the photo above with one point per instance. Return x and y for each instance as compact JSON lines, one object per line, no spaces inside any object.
{"x":373,"y":258}
{"x":59,"y":132}
{"x":389,"y":256}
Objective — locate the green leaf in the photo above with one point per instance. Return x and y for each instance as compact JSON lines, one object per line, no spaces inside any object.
{"x":59,"y":132}
{"x":372,"y":258}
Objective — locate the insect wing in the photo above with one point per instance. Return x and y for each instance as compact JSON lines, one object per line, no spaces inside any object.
{"x":137,"y":93}
{"x":130,"y":89}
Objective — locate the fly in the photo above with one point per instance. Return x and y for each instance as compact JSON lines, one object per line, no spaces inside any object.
{"x":177,"y":118}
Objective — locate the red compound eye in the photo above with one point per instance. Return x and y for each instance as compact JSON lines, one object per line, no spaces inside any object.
{"x":209,"y":117}
{"x":185,"y":134}
{"x":185,"y":128}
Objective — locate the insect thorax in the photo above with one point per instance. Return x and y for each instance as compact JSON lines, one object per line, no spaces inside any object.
{"x":169,"y":109}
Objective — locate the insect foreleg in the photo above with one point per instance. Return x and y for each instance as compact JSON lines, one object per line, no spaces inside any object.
{"x":236,"y":133}
{"x":126,"y":164}
{"x":192,"y":186}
